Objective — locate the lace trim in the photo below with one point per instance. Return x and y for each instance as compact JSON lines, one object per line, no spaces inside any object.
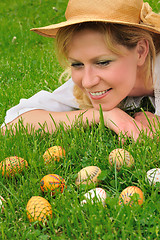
{"x":157,"y":101}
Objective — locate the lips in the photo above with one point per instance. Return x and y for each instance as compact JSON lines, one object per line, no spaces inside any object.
{"x":99,"y":94}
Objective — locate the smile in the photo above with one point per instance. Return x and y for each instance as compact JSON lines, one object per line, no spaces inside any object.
{"x":99,"y":93}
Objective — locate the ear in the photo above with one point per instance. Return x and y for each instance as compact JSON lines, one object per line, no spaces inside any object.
{"x":142,"y":51}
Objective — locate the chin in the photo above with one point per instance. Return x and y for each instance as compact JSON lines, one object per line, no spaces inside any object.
{"x":104,"y":108}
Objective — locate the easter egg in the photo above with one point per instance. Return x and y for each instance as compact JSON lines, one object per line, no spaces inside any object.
{"x":94,"y":195}
{"x":88,"y":175}
{"x":52,"y":183}
{"x":153,"y":176}
{"x":12,"y":165}
{"x":53,"y":153}
{"x":120,"y":157}
{"x":1,"y":203}
{"x":128,"y":192}
{"x":38,"y":209}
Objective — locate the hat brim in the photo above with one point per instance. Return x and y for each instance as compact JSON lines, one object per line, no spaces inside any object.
{"x":51,"y":30}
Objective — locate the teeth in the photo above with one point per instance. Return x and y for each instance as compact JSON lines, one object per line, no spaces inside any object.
{"x":98,"y":93}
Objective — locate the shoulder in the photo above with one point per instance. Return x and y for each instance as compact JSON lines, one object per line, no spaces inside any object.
{"x":156,"y":72}
{"x":157,"y":60}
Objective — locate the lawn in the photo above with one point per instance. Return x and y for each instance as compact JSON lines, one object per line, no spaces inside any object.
{"x":27,"y":65}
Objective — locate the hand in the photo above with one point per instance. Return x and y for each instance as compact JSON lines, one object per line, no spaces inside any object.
{"x":120,"y":122}
{"x":147,"y":119}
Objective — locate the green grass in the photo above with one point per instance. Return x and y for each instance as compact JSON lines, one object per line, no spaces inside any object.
{"x":27,"y":66}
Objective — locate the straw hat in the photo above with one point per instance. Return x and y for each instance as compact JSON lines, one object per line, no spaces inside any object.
{"x":128,"y":12}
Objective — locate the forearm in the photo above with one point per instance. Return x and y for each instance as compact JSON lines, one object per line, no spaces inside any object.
{"x":48,"y":119}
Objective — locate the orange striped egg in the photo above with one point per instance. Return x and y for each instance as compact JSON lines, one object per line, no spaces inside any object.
{"x":128,"y":192}
{"x":53,"y":183}
{"x":120,"y":157}
{"x":53,"y":153}
{"x":12,"y":165}
{"x":88,"y":175}
{"x":38,"y":209}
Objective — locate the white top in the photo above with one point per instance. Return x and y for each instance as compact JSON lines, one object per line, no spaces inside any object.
{"x":62,"y":99}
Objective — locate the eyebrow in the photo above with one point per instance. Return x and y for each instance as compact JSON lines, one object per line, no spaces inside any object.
{"x":101,"y":57}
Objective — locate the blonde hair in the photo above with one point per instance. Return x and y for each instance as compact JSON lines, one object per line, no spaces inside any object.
{"x":126,"y":36}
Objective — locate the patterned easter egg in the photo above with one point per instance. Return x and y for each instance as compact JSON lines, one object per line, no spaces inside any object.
{"x":96,"y":194}
{"x":38,"y":209}
{"x":12,"y":165}
{"x":128,"y":192}
{"x":53,"y":153}
{"x":153,"y":176}
{"x":120,"y":157}
{"x":1,"y":203}
{"x":88,"y":175}
{"x":53,"y":183}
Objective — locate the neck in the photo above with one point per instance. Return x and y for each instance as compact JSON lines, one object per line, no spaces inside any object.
{"x":141,"y":87}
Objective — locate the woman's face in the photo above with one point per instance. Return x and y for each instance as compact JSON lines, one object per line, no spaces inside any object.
{"x":105,"y":77}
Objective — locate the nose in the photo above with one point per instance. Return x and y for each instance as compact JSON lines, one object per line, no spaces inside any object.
{"x":89,"y":78}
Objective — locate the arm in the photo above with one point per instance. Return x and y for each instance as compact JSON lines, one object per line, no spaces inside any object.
{"x":115,"y":119}
{"x":44,"y":118}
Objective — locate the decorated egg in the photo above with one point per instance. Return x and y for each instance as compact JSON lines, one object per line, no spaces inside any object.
{"x":52,"y":183}
{"x":53,"y":153}
{"x":12,"y":165}
{"x":88,"y":175}
{"x":38,"y":209}
{"x":1,"y":203}
{"x":94,"y":195}
{"x":127,"y":193}
{"x":153,"y":176}
{"x":120,"y":157}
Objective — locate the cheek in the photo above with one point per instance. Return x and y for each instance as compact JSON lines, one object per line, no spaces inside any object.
{"x":76,"y":77}
{"x":125,"y":73}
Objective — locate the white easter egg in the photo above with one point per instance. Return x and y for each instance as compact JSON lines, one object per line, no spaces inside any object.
{"x":153,"y":176}
{"x":1,"y":203}
{"x":95,"y":194}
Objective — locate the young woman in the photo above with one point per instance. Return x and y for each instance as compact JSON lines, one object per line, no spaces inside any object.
{"x":111,"y":49}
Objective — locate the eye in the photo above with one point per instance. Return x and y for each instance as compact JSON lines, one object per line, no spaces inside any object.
{"x":104,"y":62}
{"x":77,"y":65}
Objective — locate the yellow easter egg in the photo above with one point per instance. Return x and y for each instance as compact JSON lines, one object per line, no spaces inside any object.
{"x":38,"y":209}
{"x":12,"y":165}
{"x":88,"y":175}
{"x":120,"y":157}
{"x":53,"y":183}
{"x":128,"y":192}
{"x":53,"y":153}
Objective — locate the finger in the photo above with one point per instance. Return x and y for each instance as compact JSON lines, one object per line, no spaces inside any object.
{"x":137,"y":114}
{"x":121,"y":139}
{"x":149,"y":133}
